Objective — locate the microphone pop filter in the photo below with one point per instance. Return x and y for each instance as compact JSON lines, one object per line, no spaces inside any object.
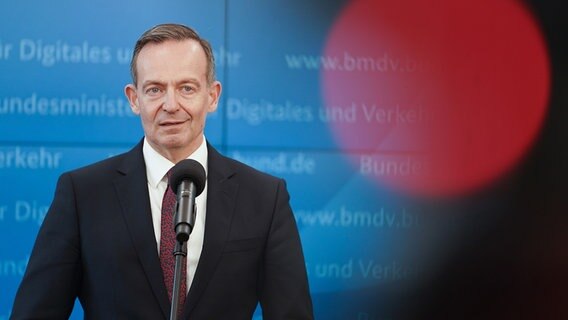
{"x":188,"y":169}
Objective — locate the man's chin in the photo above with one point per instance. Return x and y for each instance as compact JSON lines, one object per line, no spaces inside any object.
{"x":175,"y":142}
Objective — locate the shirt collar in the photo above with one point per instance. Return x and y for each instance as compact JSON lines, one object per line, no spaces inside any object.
{"x":157,"y":165}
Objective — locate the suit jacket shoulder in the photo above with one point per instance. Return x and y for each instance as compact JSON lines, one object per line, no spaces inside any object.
{"x":122,"y":163}
{"x":243,"y":172}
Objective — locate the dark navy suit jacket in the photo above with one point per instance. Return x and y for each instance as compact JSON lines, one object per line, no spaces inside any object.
{"x":97,"y":243}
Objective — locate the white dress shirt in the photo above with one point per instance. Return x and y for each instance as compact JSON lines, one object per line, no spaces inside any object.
{"x":156,"y":168}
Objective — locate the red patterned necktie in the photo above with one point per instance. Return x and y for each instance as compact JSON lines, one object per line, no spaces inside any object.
{"x":167,"y":244}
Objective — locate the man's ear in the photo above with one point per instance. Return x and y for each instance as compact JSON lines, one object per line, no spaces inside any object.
{"x":214,"y":94}
{"x":132,"y":96}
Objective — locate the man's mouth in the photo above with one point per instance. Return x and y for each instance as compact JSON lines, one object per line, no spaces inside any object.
{"x":169,"y":123}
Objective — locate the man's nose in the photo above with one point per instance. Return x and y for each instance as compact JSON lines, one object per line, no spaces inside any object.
{"x":171,"y":101}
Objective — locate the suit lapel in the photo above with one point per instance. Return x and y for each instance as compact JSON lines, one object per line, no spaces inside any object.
{"x":132,"y":191}
{"x":221,"y":195}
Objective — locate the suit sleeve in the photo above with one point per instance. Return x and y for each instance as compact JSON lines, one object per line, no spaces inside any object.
{"x":50,"y":284}
{"x":284,"y":292}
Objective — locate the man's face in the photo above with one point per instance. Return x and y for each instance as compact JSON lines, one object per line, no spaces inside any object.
{"x":172,"y":96}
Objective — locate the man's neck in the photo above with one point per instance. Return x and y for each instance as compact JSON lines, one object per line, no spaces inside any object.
{"x":175,"y":155}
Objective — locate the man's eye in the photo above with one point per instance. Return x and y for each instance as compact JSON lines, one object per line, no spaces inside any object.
{"x":187,"y":89}
{"x":153,"y":90}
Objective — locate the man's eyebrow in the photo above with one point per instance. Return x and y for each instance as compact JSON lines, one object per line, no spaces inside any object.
{"x":188,"y":80}
{"x":151,"y":82}
{"x":162,"y":83}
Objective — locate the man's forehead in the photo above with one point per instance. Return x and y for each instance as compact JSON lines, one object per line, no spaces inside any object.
{"x":180,"y":56}
{"x":169,"y":47}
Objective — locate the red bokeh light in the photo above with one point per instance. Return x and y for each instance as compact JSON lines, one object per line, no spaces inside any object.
{"x":440,"y":97}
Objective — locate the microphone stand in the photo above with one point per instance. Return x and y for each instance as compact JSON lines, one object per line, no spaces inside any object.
{"x":183,"y":225}
{"x":180,"y":253}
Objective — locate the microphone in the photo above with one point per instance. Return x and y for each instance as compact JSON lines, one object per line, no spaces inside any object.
{"x":187,"y":180}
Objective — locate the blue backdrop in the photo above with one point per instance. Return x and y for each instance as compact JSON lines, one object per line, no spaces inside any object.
{"x":372,"y":251}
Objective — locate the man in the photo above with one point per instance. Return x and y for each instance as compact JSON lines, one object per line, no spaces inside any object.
{"x":101,"y":239}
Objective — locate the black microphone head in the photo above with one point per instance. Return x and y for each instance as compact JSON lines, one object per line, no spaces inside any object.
{"x":188,"y":169}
